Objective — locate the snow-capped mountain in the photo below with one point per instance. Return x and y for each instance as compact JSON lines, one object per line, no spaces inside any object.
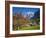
{"x":29,"y":15}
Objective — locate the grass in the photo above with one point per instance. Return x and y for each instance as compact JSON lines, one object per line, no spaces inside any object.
{"x":29,"y":28}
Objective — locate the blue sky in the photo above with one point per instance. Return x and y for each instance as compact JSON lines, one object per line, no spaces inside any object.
{"x":24,"y":10}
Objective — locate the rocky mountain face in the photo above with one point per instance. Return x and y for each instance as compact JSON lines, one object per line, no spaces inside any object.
{"x":22,"y":19}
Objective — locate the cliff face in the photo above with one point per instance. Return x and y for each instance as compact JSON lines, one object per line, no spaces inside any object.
{"x":19,"y":19}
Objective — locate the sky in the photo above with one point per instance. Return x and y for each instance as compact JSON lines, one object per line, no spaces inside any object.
{"x":24,"y":10}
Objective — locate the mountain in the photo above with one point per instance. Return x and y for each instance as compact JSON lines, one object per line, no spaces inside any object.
{"x":37,"y":14}
{"x":28,"y":15}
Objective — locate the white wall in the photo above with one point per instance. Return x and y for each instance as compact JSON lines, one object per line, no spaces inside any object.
{"x":2,"y":19}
